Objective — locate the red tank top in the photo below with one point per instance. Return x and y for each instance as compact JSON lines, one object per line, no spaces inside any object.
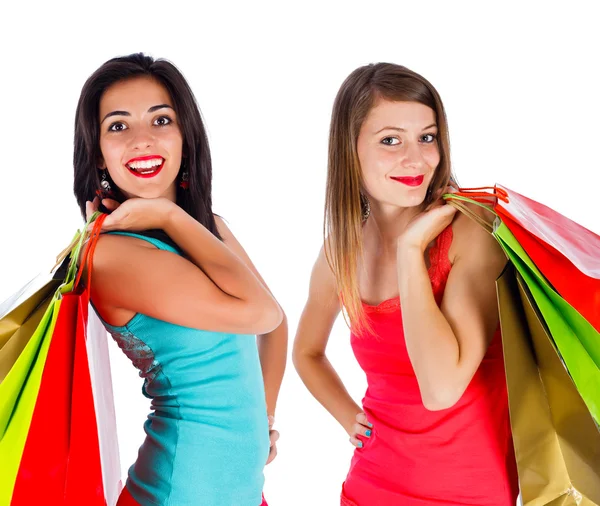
{"x":454,"y":457}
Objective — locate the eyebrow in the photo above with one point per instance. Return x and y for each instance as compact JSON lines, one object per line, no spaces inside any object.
{"x":125,"y":113}
{"x":402,"y":129}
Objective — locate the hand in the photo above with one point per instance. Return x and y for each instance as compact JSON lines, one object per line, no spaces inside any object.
{"x":92,"y":207}
{"x":362,"y":427}
{"x":273,"y":437}
{"x":135,"y":214}
{"x":428,"y":224}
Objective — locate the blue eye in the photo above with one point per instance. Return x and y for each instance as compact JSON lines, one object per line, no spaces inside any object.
{"x":117,"y":127}
{"x":390,"y":141}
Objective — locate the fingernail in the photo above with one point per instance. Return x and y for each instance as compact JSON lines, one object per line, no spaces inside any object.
{"x":360,"y":445}
{"x":369,"y":424}
{"x":368,"y":433}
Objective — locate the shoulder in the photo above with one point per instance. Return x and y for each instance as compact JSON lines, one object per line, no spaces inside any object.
{"x":113,"y":250}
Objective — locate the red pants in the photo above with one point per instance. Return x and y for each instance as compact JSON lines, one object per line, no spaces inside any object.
{"x":125,"y":499}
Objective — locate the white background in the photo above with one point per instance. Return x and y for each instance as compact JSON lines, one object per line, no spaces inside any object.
{"x":519,"y":81}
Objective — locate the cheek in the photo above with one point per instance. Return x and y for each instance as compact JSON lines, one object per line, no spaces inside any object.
{"x":375,"y":161}
{"x":110,"y":150}
{"x":431,"y":155}
{"x":173,"y":141}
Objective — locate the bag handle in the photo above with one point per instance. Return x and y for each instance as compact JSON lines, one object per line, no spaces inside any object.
{"x":481,"y":193}
{"x":458,"y":201}
{"x":88,"y":253}
{"x":65,"y":253}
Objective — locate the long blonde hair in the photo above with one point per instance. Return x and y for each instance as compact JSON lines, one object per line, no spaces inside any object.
{"x":345,"y":203}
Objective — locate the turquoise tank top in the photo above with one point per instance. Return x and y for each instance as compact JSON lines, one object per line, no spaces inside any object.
{"x":207,"y":436}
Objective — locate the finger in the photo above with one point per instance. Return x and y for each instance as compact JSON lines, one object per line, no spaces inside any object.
{"x":362,"y":419}
{"x":272,"y":454}
{"x":447,"y":210}
{"x":362,"y":430}
{"x":110,"y":204}
{"x":88,"y":210}
{"x":271,"y":419}
{"x":274,"y":436}
{"x":356,"y":442}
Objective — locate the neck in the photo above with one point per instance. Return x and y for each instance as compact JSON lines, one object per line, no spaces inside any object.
{"x":386,"y":223}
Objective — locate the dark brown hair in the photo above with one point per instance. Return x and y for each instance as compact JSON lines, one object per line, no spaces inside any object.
{"x":197,"y":199}
{"x":344,"y":202}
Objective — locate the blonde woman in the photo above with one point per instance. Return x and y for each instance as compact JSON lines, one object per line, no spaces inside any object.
{"x":418,"y":285}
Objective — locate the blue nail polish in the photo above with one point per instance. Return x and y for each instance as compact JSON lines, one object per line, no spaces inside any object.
{"x":368,"y":433}
{"x":369,"y":424}
{"x":360,"y":445}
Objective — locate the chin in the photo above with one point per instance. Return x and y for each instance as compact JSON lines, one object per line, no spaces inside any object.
{"x":412,"y":201}
{"x":149,"y":193}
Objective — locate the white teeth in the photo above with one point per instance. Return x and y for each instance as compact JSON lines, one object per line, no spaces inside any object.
{"x":145,"y":164}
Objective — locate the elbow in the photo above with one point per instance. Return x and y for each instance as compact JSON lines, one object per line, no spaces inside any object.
{"x":263,"y":318}
{"x":441,"y":398}
{"x":302,"y":356}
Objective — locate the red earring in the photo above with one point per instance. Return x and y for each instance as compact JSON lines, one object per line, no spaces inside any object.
{"x":185,"y":184}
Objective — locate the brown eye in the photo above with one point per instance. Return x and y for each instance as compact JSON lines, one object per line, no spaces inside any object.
{"x":163,"y":121}
{"x":117,"y":127}
{"x":390,"y":141}
{"x":428,"y":138}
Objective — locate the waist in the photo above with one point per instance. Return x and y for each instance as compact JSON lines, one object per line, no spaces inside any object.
{"x":462,"y":454}
{"x":181,"y":461}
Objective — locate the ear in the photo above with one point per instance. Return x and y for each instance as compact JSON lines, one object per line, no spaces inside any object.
{"x":100,"y":165}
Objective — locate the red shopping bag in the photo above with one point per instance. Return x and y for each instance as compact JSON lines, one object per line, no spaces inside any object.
{"x":566,"y":253}
{"x":64,"y":461}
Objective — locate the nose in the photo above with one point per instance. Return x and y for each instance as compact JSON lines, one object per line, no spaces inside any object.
{"x":413,"y":157}
{"x":142,"y":139}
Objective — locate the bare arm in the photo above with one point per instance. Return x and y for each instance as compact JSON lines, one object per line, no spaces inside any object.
{"x":315,"y":370}
{"x":446,"y":345}
{"x":272,"y":346}
{"x":215,"y":292}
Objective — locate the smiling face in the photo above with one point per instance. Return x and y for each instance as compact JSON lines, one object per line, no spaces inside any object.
{"x":140,"y":140}
{"x":398,"y":152}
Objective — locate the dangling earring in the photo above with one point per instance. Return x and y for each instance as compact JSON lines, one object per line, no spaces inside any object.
{"x":185,"y":184}
{"x":365,"y":206}
{"x":105,"y":188}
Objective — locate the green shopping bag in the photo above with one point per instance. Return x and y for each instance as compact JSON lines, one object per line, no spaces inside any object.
{"x":567,"y":327}
{"x":20,"y":387}
{"x":576,"y":340}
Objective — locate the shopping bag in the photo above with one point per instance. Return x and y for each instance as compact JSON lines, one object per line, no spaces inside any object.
{"x":19,"y":390}
{"x":566,"y":253}
{"x":21,"y":313}
{"x":18,"y":394}
{"x":557,"y":443}
{"x":577,"y":341}
{"x":81,"y":460}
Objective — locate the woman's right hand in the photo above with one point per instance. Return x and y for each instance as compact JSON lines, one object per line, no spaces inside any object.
{"x":361,"y":427}
{"x":135,"y":214}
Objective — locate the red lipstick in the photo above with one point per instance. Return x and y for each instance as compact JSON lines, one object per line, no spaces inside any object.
{"x":145,"y":171}
{"x":410,"y":181}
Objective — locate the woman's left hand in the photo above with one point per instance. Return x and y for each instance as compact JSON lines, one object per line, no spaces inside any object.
{"x":135,"y":214}
{"x":428,"y":224}
{"x":273,"y":437}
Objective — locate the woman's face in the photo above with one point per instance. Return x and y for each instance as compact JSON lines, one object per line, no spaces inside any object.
{"x":398,"y":152}
{"x":140,"y":140}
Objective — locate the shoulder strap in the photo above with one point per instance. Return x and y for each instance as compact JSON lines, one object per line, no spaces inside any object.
{"x":162,"y":245}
